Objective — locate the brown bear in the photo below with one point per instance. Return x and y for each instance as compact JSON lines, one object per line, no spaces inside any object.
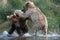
{"x":34,"y":13}
{"x":17,"y":23}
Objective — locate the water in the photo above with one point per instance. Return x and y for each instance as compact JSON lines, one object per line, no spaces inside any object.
{"x":27,"y":36}
{"x":31,"y":38}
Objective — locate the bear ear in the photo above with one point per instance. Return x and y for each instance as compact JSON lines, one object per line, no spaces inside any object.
{"x":11,"y":15}
{"x":7,"y":17}
{"x":14,"y":14}
{"x":29,"y":4}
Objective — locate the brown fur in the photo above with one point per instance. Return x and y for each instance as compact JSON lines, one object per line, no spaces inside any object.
{"x":34,"y":13}
{"x":21,"y":22}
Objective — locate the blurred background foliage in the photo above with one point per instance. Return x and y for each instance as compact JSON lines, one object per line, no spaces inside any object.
{"x":51,"y":8}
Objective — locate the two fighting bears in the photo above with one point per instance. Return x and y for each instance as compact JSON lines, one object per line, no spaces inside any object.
{"x":30,"y":11}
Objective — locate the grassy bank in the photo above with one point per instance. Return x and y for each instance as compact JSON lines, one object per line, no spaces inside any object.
{"x":51,"y":8}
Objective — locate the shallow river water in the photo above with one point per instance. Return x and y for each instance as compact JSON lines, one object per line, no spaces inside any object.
{"x":27,"y":36}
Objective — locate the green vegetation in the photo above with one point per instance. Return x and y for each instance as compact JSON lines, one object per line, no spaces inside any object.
{"x":51,"y":8}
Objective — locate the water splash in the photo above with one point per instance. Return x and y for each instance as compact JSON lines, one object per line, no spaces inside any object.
{"x":5,"y":33}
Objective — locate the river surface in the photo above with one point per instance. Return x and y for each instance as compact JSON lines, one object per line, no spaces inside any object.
{"x":27,"y":36}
